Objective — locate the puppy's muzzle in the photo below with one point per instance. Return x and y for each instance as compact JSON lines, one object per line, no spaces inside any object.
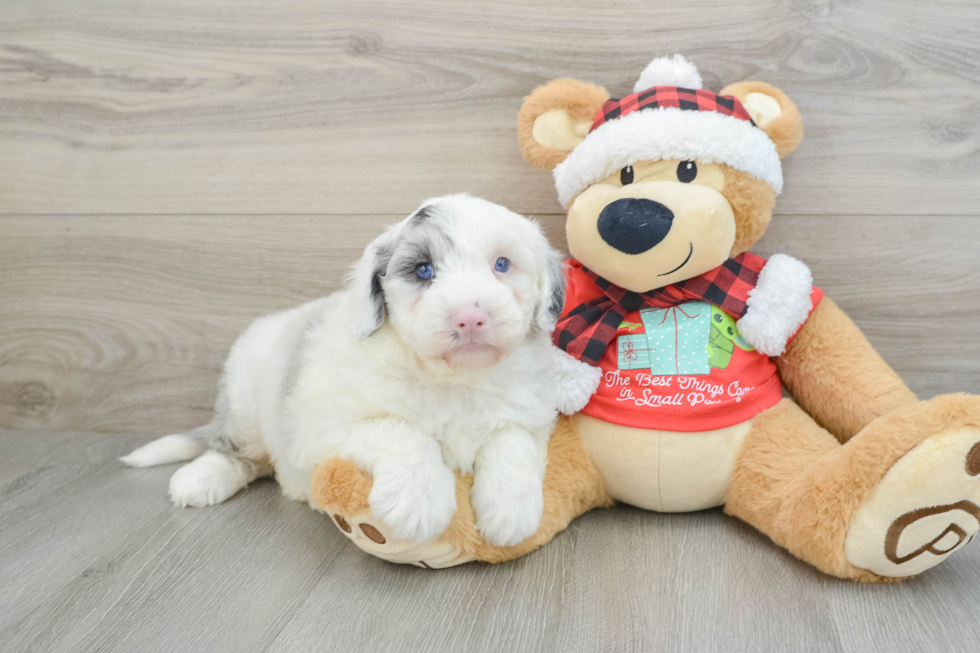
{"x":634,"y":226}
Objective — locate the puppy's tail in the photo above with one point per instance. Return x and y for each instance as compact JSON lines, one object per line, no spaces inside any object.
{"x":170,"y":449}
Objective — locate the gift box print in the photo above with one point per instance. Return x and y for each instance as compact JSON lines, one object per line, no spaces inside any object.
{"x":633,"y":352}
{"x":677,"y":338}
{"x":674,"y":340}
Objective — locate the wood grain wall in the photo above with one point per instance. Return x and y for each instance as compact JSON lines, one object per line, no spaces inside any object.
{"x":170,"y":170}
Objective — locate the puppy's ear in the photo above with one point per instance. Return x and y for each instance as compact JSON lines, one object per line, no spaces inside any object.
{"x":555,"y":118}
{"x":364,"y":283}
{"x":551,"y":289}
{"x":772,"y":111}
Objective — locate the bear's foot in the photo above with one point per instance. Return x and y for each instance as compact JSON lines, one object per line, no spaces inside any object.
{"x":927,"y":505}
{"x":341,"y":489}
{"x":571,"y":486}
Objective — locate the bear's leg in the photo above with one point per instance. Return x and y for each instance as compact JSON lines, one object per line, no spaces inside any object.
{"x":899,"y":497}
{"x":572,"y":485}
{"x":835,"y":375}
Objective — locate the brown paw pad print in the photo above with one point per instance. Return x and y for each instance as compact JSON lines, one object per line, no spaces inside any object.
{"x":344,"y":526}
{"x":934,"y":546}
{"x":973,"y":460}
{"x":369,"y":531}
{"x":372,"y":533}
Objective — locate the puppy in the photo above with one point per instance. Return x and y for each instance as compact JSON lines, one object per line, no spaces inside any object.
{"x":436,"y":357}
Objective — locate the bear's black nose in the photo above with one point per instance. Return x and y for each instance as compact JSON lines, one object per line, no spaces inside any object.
{"x":634,"y":225}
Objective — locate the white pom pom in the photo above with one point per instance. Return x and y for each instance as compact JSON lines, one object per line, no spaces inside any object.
{"x":669,"y":71}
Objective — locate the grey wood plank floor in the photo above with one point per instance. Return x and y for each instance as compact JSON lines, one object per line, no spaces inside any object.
{"x":94,"y":558}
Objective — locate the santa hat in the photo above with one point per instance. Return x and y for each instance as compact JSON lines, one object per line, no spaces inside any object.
{"x":669,"y":116}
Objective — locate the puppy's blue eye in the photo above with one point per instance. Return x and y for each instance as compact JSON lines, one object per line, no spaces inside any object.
{"x":424,"y":270}
{"x":502,"y":265}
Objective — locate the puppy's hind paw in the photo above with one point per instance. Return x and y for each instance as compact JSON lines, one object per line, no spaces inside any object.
{"x":416,"y":502}
{"x":209,"y":480}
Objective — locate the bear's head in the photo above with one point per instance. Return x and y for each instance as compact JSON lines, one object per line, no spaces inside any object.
{"x":667,"y":183}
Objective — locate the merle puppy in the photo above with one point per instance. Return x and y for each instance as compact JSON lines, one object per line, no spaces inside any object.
{"x":437,"y":356}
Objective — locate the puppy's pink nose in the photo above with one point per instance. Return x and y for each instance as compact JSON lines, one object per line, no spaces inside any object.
{"x":469,"y":320}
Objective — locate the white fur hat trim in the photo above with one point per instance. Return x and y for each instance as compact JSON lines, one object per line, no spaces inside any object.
{"x":668,"y":133}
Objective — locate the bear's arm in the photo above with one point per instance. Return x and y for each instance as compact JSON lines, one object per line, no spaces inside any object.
{"x":834,"y":373}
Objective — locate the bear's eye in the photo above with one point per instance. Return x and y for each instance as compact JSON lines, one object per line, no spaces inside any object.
{"x":687,"y":171}
{"x":717,"y":318}
{"x":731,"y":331}
{"x":626,"y":175}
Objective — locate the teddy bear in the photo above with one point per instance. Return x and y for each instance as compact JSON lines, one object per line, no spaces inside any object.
{"x":665,"y":192}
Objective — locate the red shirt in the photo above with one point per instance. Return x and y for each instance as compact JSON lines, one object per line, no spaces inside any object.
{"x":684,"y":368}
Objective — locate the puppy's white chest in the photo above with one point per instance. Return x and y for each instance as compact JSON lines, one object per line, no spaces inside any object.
{"x":459,"y":452}
{"x":461,"y":424}
{"x":460,"y":446}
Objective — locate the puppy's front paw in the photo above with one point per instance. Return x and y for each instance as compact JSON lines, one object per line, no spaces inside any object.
{"x":508,"y":506}
{"x":416,"y":502}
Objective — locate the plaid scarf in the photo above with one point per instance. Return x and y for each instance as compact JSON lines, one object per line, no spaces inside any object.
{"x":586,"y":330}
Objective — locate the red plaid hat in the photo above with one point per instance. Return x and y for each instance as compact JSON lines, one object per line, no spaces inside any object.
{"x":669,"y":116}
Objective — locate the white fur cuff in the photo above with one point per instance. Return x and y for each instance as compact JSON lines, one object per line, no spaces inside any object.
{"x":575,"y":382}
{"x":778,"y":305}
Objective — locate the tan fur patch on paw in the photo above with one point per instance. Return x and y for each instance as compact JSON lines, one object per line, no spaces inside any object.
{"x":339,"y":486}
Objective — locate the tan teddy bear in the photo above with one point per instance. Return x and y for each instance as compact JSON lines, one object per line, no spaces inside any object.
{"x":666,"y":190}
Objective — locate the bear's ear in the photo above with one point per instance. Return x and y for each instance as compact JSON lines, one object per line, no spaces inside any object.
{"x":555,"y":118}
{"x":772,"y":111}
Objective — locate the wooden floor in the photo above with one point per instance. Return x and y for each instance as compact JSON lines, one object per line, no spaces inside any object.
{"x":94,"y":558}
{"x":170,"y":170}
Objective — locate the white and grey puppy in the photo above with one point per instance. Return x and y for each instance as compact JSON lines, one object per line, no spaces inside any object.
{"x":436,"y":357}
